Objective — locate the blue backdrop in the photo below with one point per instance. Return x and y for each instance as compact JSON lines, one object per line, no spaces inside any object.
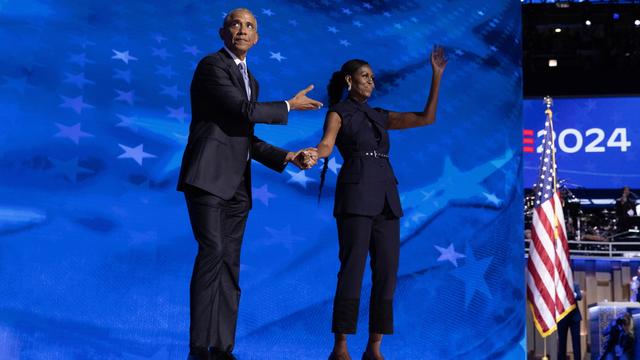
{"x":95,"y":246}
{"x":596,"y":140}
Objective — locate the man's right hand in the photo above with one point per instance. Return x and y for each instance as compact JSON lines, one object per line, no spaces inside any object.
{"x":302,"y":102}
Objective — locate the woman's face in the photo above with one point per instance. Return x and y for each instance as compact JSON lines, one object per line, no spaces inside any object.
{"x":362,"y":83}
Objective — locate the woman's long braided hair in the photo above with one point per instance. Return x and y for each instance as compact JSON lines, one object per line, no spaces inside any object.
{"x":335,"y":90}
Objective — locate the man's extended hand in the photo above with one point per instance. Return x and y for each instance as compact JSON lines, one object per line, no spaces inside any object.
{"x":303,"y":159}
{"x":302,"y":102}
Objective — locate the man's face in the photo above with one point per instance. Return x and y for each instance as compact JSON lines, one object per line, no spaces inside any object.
{"x":240,"y":33}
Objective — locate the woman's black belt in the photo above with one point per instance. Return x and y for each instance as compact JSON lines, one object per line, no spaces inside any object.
{"x":372,"y":153}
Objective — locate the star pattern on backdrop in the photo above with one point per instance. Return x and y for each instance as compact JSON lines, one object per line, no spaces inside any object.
{"x":449,"y":254}
{"x":69,"y":169}
{"x":125,"y":96}
{"x":262,"y":194}
{"x":136,"y":153}
{"x":78,"y":80}
{"x":73,"y":132}
{"x":124,"y":56}
{"x":472,"y":273}
{"x":77,"y":104}
{"x":177,"y":113}
{"x":299,"y":178}
{"x":277,"y":56}
{"x":492,"y":198}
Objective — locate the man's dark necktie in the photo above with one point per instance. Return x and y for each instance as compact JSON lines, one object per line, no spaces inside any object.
{"x":245,"y":76}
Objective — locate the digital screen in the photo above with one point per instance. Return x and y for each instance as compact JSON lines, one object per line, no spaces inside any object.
{"x":596,"y":141}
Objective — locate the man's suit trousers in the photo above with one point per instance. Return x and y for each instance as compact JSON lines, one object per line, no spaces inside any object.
{"x":564,"y":326}
{"x":218,"y":226}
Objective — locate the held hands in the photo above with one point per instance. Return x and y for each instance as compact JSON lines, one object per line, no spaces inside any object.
{"x":304,"y":159}
{"x":438,"y":60}
{"x":302,"y":102}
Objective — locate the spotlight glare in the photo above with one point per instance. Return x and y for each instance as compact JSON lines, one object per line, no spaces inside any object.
{"x":637,"y":22}
{"x":616,"y":16}
{"x":558,"y":30}
{"x":588,"y":22}
{"x":553,"y":62}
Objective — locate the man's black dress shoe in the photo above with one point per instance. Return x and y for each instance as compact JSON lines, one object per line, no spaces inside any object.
{"x":222,"y":355}
{"x":198,"y":354}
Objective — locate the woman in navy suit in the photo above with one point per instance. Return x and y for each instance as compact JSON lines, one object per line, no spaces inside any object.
{"x":367,"y":206}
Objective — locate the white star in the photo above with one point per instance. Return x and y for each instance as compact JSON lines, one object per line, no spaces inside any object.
{"x":171,"y":91}
{"x":127,"y":121}
{"x":80,"y":59}
{"x":124,"y":56}
{"x":299,"y":178}
{"x":177,"y":113}
{"x":262,"y":193}
{"x":277,"y":56}
{"x":345,"y":43}
{"x":332,"y":29}
{"x":357,"y":24}
{"x":334,"y":166}
{"x":137,"y":153}
{"x":126,"y":96}
{"x":366,"y":5}
{"x":79,"y":80}
{"x":166,"y":71}
{"x":397,"y":26}
{"x":73,"y":133}
{"x":417,"y":216}
{"x":268,"y":12}
{"x":77,"y":104}
{"x":427,"y":194}
{"x":193,"y":49}
{"x":161,"y":53}
{"x":492,"y":198}
{"x":449,"y":254}
{"x":346,"y":11}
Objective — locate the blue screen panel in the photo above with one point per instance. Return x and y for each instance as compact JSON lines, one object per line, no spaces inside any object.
{"x":96,"y":249}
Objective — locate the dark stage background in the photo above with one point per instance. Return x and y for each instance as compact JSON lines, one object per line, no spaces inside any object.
{"x":95,"y":246}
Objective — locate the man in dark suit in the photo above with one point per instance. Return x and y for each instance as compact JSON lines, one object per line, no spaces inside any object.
{"x":570,"y":322}
{"x":216,"y":177}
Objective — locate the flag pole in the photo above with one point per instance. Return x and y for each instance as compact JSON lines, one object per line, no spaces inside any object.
{"x":548,"y":101}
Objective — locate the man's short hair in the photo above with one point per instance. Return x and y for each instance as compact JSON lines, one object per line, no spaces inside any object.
{"x":227,"y":18}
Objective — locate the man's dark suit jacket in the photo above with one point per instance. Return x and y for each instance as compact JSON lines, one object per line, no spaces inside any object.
{"x":221,"y":131}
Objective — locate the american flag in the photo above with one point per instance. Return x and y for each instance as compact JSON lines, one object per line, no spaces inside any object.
{"x":549,"y":276}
